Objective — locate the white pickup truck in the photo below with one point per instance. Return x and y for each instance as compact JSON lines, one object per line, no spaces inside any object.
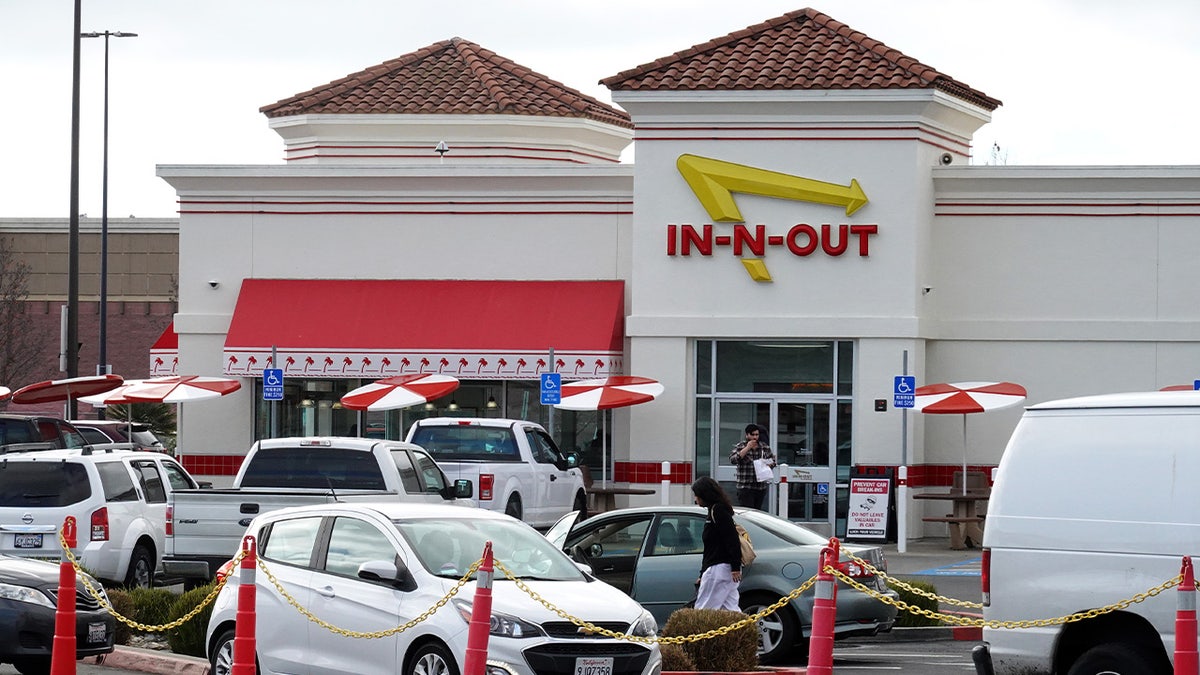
{"x":204,"y":527}
{"x":515,"y":464}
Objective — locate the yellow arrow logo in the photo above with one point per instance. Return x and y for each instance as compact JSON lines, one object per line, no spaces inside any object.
{"x":714,"y":182}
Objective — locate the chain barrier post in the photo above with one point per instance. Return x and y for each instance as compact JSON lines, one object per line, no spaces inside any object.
{"x":820,"y":644}
{"x":244,"y":641}
{"x":1186,"y":661}
{"x":62,"y":654}
{"x":783,"y":491}
{"x":666,"y":482}
{"x":475,"y":662}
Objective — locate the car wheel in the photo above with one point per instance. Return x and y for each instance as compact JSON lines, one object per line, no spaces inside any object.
{"x":141,"y":568}
{"x":776,"y":631}
{"x":33,"y":665}
{"x":513,"y":507}
{"x":221,"y":659}
{"x":1116,"y":659}
{"x":580,"y":505}
{"x":432,"y":659}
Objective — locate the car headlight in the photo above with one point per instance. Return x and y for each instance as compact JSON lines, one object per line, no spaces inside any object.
{"x":501,"y":624}
{"x":25,"y":594}
{"x":645,"y":627}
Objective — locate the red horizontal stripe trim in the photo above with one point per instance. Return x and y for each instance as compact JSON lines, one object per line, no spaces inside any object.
{"x":406,"y":213}
{"x":423,"y":156}
{"x":929,"y":132}
{"x":940,"y":146}
{"x":472,"y":150}
{"x":364,"y":202}
{"x":1072,"y":204}
{"x":1066,"y":214}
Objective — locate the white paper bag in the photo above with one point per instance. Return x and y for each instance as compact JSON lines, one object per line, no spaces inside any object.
{"x":762,"y":471}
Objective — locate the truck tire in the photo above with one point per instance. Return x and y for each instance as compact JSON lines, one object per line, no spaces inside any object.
{"x":141,"y":568}
{"x":513,"y":507}
{"x":1115,"y":659}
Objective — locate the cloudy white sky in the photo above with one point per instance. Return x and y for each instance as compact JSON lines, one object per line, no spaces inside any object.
{"x":1082,"y":81}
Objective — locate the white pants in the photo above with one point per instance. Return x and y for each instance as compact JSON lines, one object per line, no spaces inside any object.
{"x":718,"y":590}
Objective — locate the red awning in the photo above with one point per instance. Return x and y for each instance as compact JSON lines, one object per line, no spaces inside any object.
{"x":357,"y":328}
{"x":164,"y":353}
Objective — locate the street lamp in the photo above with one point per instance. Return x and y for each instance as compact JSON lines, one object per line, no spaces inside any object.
{"x":102,"y":367}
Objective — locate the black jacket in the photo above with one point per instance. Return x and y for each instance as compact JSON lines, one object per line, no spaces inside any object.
{"x":720,"y":539}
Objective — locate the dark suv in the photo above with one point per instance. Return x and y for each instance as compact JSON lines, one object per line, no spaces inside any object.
{"x":116,"y":431}
{"x":23,"y":430}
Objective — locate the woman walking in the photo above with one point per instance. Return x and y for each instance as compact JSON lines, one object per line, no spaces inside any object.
{"x":721,"y":564}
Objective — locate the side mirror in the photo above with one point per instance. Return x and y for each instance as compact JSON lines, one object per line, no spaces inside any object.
{"x":387,"y":572}
{"x":572,"y":460}
{"x":464,"y":488}
{"x":204,"y":484}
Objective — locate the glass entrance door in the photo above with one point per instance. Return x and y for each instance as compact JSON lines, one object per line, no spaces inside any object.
{"x":799,"y":431}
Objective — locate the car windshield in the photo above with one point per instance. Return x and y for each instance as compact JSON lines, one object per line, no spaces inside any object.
{"x":790,"y":532}
{"x":447,"y":547}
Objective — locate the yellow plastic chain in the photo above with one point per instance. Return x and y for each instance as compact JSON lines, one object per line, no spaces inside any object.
{"x":145,"y":628}
{"x":909,"y":587}
{"x":1028,"y":623}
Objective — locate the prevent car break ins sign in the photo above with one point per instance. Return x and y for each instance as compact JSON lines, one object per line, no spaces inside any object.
{"x":868,"y":508}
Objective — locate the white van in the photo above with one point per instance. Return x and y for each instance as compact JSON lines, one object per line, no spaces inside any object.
{"x":1096,"y":499}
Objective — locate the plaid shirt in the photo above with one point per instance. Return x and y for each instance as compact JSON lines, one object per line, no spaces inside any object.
{"x":746,"y":477}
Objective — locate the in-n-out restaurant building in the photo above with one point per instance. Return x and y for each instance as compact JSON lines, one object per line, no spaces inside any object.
{"x":801,"y":225}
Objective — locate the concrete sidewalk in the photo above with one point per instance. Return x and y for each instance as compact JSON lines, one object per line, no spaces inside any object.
{"x":927,"y":558}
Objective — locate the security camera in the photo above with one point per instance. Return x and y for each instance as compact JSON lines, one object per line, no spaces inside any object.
{"x":946,"y":159}
{"x":926,"y":289}
{"x":213,"y":283}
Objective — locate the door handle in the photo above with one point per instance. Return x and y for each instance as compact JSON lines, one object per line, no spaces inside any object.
{"x":553,"y":477}
{"x":326,"y":592}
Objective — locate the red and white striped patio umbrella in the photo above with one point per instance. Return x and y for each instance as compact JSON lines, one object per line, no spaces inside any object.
{"x":181,"y":389}
{"x":64,"y":390}
{"x":964,"y":398}
{"x":617,"y":391}
{"x":112,"y":396}
{"x":400,"y":391}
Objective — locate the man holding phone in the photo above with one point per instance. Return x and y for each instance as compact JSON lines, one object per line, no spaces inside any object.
{"x":751,"y":491}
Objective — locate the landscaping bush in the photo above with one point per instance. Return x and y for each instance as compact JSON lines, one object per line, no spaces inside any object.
{"x":123,"y":604}
{"x":907,"y":619}
{"x":675,"y":659}
{"x":152,"y":606}
{"x":188,"y":638}
{"x":736,"y":651}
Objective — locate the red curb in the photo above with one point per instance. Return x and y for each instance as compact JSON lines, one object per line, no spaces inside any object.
{"x":151,"y":661}
{"x":772,"y":670}
{"x":967,"y":633}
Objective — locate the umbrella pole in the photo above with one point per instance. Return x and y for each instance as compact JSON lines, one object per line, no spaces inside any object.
{"x":604,"y":447}
{"x":964,"y":480}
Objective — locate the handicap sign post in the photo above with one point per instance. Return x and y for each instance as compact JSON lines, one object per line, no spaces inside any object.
{"x":904,"y":391}
{"x":551,"y":388}
{"x":273,"y":384}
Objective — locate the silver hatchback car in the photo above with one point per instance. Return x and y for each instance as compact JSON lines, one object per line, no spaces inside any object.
{"x":653,"y":554}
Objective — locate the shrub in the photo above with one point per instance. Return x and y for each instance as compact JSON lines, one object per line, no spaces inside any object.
{"x":188,"y":638}
{"x":152,"y":606}
{"x":675,"y":659}
{"x":736,"y":651}
{"x":123,"y":604}
{"x":907,"y":619}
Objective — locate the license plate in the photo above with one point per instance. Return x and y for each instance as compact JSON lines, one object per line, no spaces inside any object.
{"x":593,"y":666}
{"x":97,"y":633}
{"x":27,"y":541}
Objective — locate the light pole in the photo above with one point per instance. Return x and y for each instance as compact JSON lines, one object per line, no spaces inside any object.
{"x":102,"y":367}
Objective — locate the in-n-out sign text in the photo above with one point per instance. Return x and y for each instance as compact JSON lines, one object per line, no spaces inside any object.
{"x":801,"y":240}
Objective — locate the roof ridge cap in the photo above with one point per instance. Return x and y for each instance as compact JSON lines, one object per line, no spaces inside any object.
{"x":481,"y":66}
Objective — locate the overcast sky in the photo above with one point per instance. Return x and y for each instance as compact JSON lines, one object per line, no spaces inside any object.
{"x":1098,"y":82}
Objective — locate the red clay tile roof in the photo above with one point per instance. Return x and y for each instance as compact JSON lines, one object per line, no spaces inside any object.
{"x":804,"y":49}
{"x":453,"y":76}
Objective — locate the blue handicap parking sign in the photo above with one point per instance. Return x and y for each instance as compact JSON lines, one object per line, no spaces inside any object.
{"x":904,"y":391}
{"x":551,"y":388}
{"x":273,"y":384}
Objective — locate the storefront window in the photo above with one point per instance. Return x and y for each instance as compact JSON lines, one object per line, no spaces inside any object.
{"x":312,"y":407}
{"x":776,"y":366}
